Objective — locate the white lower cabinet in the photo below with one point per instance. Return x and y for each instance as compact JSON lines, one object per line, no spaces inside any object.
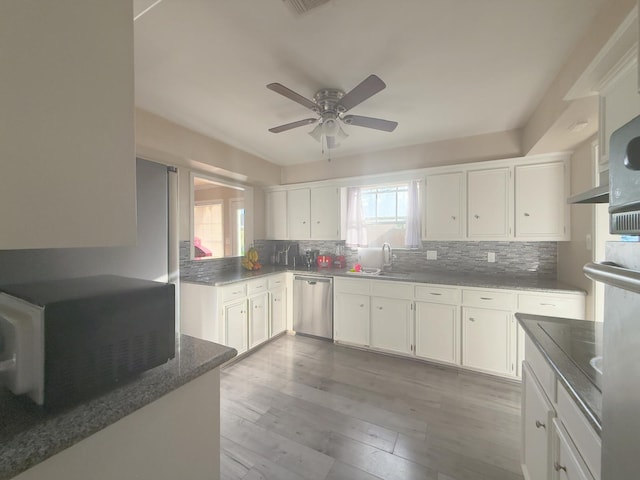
{"x":558,"y":443}
{"x":351,"y":319}
{"x":567,"y":461}
{"x":278,"y":311}
{"x":537,"y":417}
{"x":258,"y":319}
{"x":241,"y":315}
{"x":488,"y":340}
{"x":235,"y":326}
{"x":391,"y":322}
{"x":437,"y":332}
{"x":470,"y":327}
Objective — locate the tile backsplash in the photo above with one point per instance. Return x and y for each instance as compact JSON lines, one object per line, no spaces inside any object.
{"x":511,"y":258}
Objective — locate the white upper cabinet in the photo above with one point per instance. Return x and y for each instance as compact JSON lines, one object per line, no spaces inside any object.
{"x":303,"y":214}
{"x":67,"y":125}
{"x":299,"y":214}
{"x":541,"y":208}
{"x":325,"y":213}
{"x":276,"y":215}
{"x":444,"y":207}
{"x":488,"y":204}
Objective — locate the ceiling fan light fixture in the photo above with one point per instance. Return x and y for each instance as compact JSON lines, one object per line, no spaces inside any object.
{"x":316,"y":133}
{"x":330,"y":127}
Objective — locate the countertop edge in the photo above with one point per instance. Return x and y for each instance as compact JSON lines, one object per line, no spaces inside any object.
{"x":432,"y":277}
{"x":44,"y":439}
{"x":584,"y":407}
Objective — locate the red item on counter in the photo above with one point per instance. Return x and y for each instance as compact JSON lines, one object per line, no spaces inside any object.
{"x":324,"y":261}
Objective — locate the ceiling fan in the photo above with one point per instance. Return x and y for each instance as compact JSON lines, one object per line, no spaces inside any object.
{"x":331,"y":104}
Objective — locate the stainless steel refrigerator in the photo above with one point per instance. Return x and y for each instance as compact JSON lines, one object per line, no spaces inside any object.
{"x":621,"y":275}
{"x":621,"y":360}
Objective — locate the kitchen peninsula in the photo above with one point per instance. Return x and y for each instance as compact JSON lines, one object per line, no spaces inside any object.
{"x":127,"y":432}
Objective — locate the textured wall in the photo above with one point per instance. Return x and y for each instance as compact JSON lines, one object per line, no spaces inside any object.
{"x":512,"y":258}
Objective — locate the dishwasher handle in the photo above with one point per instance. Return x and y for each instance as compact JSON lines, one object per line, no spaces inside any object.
{"x":313,"y":280}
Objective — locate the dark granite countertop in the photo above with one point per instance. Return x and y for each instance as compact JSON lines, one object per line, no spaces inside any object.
{"x":568,"y":345}
{"x":438,"y":277}
{"x":29,"y":435}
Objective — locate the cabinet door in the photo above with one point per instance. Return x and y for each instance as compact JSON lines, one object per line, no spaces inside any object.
{"x":298,"y":210}
{"x":258,"y":319}
{"x":488,"y":203}
{"x":235,"y":322}
{"x":437,"y":332}
{"x":537,"y":416}
{"x":541,"y":206}
{"x":567,"y":463}
{"x":278,"y":311}
{"x":391,"y":324}
{"x":325,"y":213}
{"x":488,"y":340}
{"x":444,"y":206}
{"x":67,"y":140}
{"x":351,"y":319}
{"x":276,"y":215}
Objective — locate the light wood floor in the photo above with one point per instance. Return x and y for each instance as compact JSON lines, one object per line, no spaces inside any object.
{"x":301,"y":408}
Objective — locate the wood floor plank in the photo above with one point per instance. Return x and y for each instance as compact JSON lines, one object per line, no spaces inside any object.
{"x":240,"y":463}
{"x":292,"y":456}
{"x":356,"y":407}
{"x":305,"y":408}
{"x":342,"y":471}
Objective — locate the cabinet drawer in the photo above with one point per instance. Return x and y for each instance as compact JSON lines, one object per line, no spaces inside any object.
{"x":257,"y":286}
{"x":391,"y":290}
{"x":488,"y":299}
{"x":541,"y":369}
{"x":438,"y":294}
{"x":234,"y":291}
{"x":553,"y":306}
{"x":582,"y":434}
{"x":277,"y":281}
{"x":355,"y":286}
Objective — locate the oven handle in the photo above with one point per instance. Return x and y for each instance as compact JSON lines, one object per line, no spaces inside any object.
{"x":612,"y":274}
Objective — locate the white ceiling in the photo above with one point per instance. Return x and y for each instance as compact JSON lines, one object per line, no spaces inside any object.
{"x":453,"y":68}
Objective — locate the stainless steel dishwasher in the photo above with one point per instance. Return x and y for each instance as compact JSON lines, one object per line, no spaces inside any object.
{"x":313,"y":305}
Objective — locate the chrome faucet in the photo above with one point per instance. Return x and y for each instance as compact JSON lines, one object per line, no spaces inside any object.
{"x":387,"y":255}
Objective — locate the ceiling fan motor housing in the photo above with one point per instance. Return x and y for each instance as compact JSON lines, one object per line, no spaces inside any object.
{"x":328,"y":100}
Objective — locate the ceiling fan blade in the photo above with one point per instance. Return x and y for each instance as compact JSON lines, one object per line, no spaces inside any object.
{"x":367,"y":88}
{"x":289,"y":126}
{"x":370,"y":122}
{"x":291,"y":95}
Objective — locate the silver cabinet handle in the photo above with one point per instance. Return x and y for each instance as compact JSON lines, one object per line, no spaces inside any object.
{"x":379,"y":308}
{"x":548,"y":304}
{"x":241,"y":311}
{"x":361,"y":305}
{"x":526,"y":214}
{"x":539,"y":424}
{"x":453,"y":217}
{"x":318,"y":222}
{"x":236,"y":293}
{"x":557,"y":467}
{"x":435,"y":294}
{"x":471,"y":319}
{"x":304,"y":222}
{"x":276,"y":300}
{"x":486,"y":298}
{"x":476,"y":216}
